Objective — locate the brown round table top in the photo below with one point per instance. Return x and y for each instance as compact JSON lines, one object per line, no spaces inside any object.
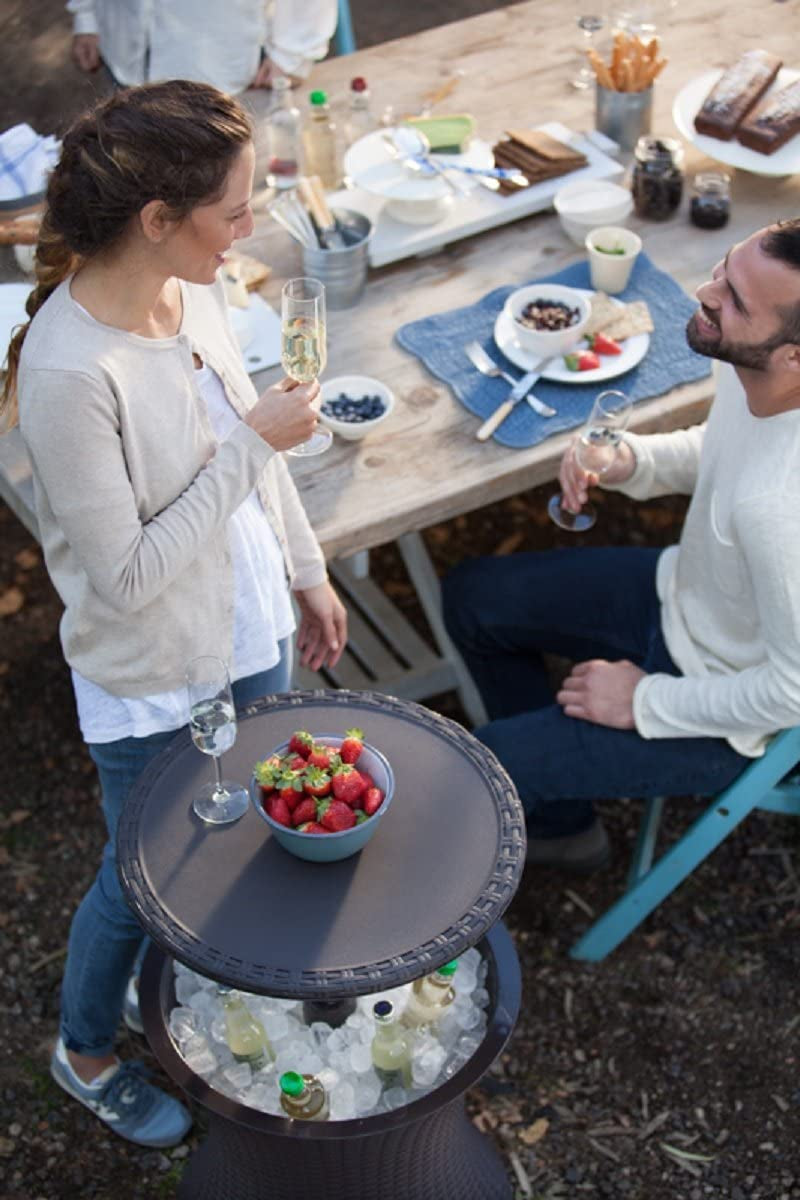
{"x":231,"y":903}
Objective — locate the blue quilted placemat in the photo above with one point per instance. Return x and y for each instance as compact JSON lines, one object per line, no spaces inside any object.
{"x":439,"y":341}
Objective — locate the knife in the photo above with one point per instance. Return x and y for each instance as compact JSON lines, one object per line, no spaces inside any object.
{"x":516,"y":394}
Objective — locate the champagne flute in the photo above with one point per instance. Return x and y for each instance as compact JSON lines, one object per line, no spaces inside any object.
{"x":212,"y":721}
{"x":589,"y":24}
{"x":303,"y":346}
{"x":595,"y":451}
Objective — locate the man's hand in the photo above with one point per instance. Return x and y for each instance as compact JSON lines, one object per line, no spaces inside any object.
{"x":265,"y":75}
{"x":575,"y":482}
{"x":323,"y":626}
{"x":601,"y":692}
{"x":86,"y":51}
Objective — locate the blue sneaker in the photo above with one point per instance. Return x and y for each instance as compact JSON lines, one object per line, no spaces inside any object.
{"x":130,"y":1007}
{"x":123,"y":1098}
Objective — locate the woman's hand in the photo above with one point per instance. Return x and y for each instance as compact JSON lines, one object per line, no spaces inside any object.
{"x":322,"y":634}
{"x":575,"y":481}
{"x":86,"y":51}
{"x":283,"y":415}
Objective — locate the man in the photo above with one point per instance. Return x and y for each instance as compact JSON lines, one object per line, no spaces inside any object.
{"x":687,"y":659}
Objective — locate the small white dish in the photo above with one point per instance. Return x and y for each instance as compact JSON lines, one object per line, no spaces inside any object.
{"x":633,"y":351}
{"x":612,"y":253}
{"x":354,"y":386}
{"x":585,"y":204}
{"x":544,"y":343}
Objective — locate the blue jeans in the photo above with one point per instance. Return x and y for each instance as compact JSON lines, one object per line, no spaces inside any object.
{"x":582,"y":603}
{"x":105,"y":936}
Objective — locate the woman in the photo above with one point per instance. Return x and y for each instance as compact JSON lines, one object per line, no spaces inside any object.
{"x":168,"y":518}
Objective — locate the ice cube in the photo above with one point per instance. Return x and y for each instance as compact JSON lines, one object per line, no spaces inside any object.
{"x":343,"y":1103}
{"x":185,"y":988}
{"x":395,"y":1097}
{"x":329,"y":1079}
{"x":337,"y":1040}
{"x":360,"y":1057}
{"x":200,"y":1059}
{"x":367,"y":1093}
{"x":217,"y":1028}
{"x":239,"y":1076}
{"x":182,"y":1024}
{"x":427,"y":1066}
{"x":276,"y":1025}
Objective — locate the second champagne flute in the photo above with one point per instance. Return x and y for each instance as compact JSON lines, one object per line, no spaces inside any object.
{"x":303,"y":345}
{"x":595,"y":451}
{"x":212,"y":722}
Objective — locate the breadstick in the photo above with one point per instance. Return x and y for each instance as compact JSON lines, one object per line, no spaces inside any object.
{"x":651,"y":49}
{"x":601,"y":71}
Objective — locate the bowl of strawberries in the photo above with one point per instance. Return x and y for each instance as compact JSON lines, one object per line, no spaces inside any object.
{"x":323,"y":795}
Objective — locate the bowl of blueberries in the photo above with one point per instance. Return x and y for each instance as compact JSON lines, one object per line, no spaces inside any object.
{"x":352,"y":405}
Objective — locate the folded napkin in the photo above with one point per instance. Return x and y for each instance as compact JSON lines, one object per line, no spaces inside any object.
{"x":439,"y":342}
{"x":25,"y":161}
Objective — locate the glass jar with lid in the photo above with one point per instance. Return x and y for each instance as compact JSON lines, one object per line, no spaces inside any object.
{"x":657,"y":181}
{"x":710,"y":204}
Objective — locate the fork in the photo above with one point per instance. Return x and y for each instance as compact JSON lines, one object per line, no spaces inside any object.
{"x":487,"y":366}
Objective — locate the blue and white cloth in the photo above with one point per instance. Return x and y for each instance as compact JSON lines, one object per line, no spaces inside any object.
{"x":26,"y":160}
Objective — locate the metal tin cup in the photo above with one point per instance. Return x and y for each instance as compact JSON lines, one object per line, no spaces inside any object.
{"x":343,"y":271}
{"x":623,"y":116}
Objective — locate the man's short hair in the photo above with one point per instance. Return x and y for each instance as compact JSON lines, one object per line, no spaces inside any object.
{"x":782,"y":241}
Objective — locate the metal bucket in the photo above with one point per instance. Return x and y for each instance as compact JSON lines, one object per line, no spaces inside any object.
{"x":344,"y":272}
{"x":623,"y":116}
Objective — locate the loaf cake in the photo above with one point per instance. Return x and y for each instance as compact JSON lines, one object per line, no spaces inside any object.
{"x":736,"y":91}
{"x":774,"y":121}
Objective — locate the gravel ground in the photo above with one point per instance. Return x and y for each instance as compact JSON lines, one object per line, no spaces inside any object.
{"x":668,"y":1072}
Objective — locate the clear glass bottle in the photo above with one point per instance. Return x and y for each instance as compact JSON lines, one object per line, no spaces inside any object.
{"x":245,"y":1035}
{"x":284,"y":137}
{"x":710,"y":205}
{"x":430,"y":996}
{"x":303,"y":1097}
{"x":391,"y":1048}
{"x":360,"y":120}
{"x":320,"y":143}
{"x":657,"y":181}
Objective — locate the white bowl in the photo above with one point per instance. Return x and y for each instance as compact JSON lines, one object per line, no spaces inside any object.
{"x":612,"y":253}
{"x":548,"y":342}
{"x":585,"y":204}
{"x":354,"y":386}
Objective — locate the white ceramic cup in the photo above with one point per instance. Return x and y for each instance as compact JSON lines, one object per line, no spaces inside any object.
{"x":612,"y":252}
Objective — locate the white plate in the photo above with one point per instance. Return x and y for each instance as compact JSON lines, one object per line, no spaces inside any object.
{"x":689,"y":99}
{"x":12,"y":312}
{"x":611,"y":365}
{"x":371,"y":166}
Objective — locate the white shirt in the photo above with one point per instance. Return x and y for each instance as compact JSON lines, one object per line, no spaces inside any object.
{"x":262,"y":611}
{"x":730,"y":590}
{"x":204,"y":40}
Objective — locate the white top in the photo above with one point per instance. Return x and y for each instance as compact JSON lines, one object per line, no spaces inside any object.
{"x":205,"y":40}
{"x":262,"y":610}
{"x":730,"y":590}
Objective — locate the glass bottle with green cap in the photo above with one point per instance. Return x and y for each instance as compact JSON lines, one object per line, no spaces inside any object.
{"x":303,"y":1097}
{"x":320,"y":142}
{"x":246,"y":1037}
{"x":431,"y":996}
{"x":391,"y":1048}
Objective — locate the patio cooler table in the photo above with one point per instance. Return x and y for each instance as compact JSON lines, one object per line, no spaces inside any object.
{"x":230,"y":903}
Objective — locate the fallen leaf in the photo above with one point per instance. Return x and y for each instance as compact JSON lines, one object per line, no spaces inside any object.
{"x":11,"y":601}
{"x":18,"y":816}
{"x":535,"y":1132}
{"x":509,"y":544}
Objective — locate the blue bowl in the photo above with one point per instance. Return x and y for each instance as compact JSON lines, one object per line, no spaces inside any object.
{"x":331,"y":847}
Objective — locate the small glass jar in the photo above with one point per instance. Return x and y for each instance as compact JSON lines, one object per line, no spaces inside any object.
{"x":657,"y":181}
{"x":710,"y":204}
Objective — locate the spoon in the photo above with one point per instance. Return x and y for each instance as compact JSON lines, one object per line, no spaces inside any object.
{"x":487,"y":366}
{"x":415,"y":145}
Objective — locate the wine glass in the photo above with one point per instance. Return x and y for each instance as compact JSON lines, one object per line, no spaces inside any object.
{"x":212,"y":721}
{"x":595,"y":451}
{"x":589,"y":24}
{"x":303,"y":346}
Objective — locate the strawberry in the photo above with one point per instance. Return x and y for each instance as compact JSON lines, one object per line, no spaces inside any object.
{"x":301,"y":743}
{"x":290,"y":788}
{"x":604,"y":345}
{"x":267,"y":773}
{"x":278,"y":809}
{"x":351,"y":747}
{"x":368,"y":780}
{"x":312,"y":827}
{"x":297,"y":763}
{"x":372,"y":800}
{"x":320,"y":756}
{"x":347,"y":784}
{"x":305,"y":811}
{"x":584,"y":360}
{"x":335,"y":815}
{"x":317,"y":782}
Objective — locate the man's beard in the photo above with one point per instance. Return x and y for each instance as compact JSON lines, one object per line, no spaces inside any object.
{"x":739,"y":354}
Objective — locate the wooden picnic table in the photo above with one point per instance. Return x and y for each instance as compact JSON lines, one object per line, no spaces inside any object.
{"x":425,"y":465}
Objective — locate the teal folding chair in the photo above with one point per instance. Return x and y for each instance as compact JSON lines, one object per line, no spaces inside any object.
{"x":344,"y":41}
{"x":771,"y":782}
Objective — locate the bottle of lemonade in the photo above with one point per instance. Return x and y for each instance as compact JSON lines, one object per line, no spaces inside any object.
{"x":391,"y":1048}
{"x":245,"y":1035}
{"x":320,"y":143}
{"x":303,"y":1097}
{"x":430,"y":996}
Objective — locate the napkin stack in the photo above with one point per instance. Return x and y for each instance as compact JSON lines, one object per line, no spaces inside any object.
{"x":537,"y":155}
{"x":25,"y":162}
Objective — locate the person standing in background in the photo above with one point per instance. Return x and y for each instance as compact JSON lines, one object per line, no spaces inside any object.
{"x":234,"y":46}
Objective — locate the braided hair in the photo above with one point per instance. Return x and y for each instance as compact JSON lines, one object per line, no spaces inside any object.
{"x":174,"y":141}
